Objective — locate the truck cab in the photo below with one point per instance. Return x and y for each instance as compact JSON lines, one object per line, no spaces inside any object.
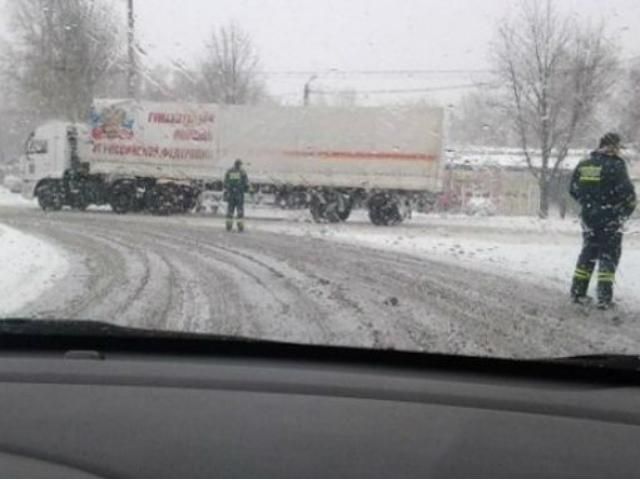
{"x":46,"y":155}
{"x":52,"y":169}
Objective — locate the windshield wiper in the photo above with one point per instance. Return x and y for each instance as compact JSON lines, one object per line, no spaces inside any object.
{"x":612,"y":361}
{"x":13,"y":329}
{"x":90,"y":328}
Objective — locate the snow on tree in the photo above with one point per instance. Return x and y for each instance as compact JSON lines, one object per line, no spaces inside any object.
{"x":62,"y":53}
{"x":228,"y":70}
{"x":630,"y":104}
{"x":555,"y":74}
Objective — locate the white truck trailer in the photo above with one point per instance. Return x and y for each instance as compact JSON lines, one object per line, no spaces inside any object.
{"x":160,"y":156}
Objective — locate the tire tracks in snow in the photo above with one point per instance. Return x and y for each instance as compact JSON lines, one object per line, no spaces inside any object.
{"x":192,"y":276}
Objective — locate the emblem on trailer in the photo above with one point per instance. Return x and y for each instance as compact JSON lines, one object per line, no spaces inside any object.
{"x":111,"y":123}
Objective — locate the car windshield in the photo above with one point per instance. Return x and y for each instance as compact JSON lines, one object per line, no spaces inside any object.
{"x":440,"y":176}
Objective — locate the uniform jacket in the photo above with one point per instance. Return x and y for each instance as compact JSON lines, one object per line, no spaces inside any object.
{"x":236,"y":182}
{"x":601,"y":185}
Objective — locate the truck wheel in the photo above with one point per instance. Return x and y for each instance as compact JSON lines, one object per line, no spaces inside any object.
{"x":159,"y":200}
{"x":282,"y":200}
{"x":384,"y":210}
{"x":123,"y":197}
{"x":347,"y":206}
{"x":189,"y":198}
{"x":316,"y":207}
{"x":79,"y":203}
{"x":297,"y":200}
{"x":50,"y":196}
{"x":323,"y":211}
{"x":331,"y":207}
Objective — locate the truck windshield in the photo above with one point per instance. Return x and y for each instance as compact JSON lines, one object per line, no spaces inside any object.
{"x":453,"y":177}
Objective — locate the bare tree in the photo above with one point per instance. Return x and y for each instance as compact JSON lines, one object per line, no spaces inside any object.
{"x":228,"y":72}
{"x":556,"y":73}
{"x":62,"y":53}
{"x":630,"y":104}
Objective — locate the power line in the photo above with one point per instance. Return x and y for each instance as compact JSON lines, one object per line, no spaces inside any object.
{"x":377,"y":72}
{"x":413,"y":90}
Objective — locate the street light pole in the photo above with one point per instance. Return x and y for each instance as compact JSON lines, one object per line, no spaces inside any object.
{"x":307,"y":90}
{"x":131,"y":74}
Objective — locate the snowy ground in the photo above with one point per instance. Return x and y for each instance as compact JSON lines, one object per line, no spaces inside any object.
{"x":451,"y":283}
{"x":351,"y":284}
{"x":523,"y":247}
{"x":29,"y":268}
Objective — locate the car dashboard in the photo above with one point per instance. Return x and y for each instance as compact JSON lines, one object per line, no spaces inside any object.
{"x":144,"y":407}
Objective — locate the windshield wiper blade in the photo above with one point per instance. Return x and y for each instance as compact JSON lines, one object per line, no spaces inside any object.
{"x":30,"y":329}
{"x":91,"y":328}
{"x":613,"y":361}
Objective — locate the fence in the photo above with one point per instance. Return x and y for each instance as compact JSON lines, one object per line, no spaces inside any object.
{"x":510,"y":191}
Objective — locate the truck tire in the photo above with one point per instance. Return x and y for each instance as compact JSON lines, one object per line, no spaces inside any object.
{"x":330,"y":207}
{"x":345,"y":212}
{"x":123,"y":196}
{"x":316,"y":207}
{"x":282,"y":200}
{"x":384,"y":210}
{"x":160,"y":200}
{"x":189,"y":197}
{"x":50,"y":195}
{"x":297,"y":200}
{"x":79,"y":202}
{"x":321,"y":210}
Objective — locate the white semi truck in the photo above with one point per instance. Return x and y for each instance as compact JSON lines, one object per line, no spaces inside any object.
{"x":159,"y":157}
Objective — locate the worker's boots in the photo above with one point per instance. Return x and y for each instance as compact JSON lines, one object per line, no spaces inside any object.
{"x":240,"y":226}
{"x":229,"y":225}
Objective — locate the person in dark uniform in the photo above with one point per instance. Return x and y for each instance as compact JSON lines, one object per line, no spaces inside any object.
{"x":236,"y":184}
{"x":601,"y":185}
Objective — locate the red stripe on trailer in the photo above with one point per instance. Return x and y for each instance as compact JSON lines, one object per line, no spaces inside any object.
{"x":346,"y":155}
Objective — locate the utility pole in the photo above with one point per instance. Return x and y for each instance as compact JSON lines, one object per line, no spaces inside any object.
{"x":132,"y":81}
{"x":307,"y":90}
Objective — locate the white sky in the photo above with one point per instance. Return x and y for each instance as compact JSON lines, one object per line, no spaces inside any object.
{"x":316,"y":36}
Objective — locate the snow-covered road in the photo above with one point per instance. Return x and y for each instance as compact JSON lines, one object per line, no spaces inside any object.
{"x":529,"y":249}
{"x":437,"y":284}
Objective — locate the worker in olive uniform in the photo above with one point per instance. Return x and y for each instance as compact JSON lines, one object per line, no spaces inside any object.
{"x":236,"y":184}
{"x":601,"y":185}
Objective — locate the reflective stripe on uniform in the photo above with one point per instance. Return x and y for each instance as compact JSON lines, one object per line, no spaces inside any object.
{"x":582,"y":274}
{"x":606,"y":277}
{"x":590,"y":173}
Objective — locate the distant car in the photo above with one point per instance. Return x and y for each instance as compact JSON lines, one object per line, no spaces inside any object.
{"x":13,"y":183}
{"x":481,"y":206}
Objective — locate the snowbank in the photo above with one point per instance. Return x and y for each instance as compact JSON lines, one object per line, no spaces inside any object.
{"x":15,"y":199}
{"x":29,"y":267}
